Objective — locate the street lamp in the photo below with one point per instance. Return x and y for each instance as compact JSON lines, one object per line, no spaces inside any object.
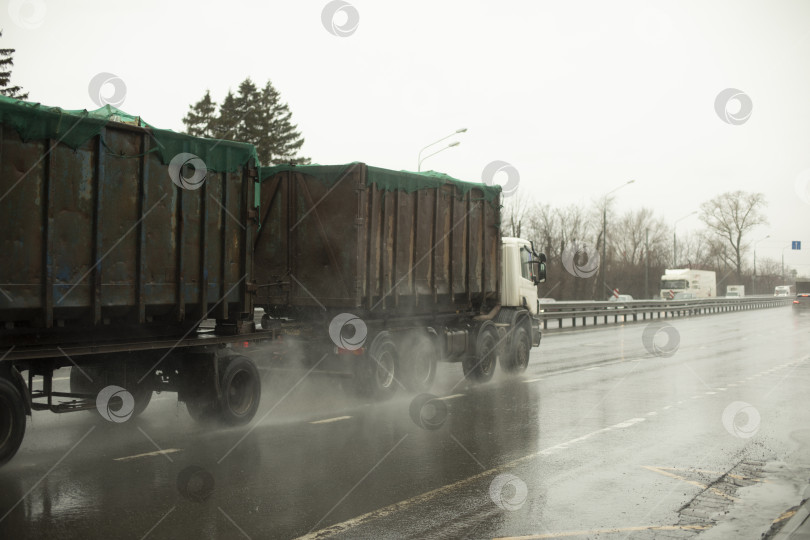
{"x":451,"y":145}
{"x":755,"y":261}
{"x":419,"y":158}
{"x":674,"y":239}
{"x":604,"y":232}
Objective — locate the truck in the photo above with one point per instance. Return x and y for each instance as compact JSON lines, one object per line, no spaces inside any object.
{"x":781,"y":290}
{"x":735,"y":291}
{"x":146,"y":260}
{"x":802,"y":300}
{"x":699,"y":283}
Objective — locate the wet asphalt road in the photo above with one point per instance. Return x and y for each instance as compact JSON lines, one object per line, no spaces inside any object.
{"x":599,"y":438}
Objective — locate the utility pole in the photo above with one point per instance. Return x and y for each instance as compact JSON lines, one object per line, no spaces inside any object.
{"x":646,"y":263}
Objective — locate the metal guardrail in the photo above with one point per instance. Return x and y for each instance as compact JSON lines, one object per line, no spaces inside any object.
{"x":643,"y":310}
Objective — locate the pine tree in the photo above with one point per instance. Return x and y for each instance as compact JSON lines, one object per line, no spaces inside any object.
{"x":6,"y":61}
{"x":226,"y":124}
{"x":253,"y":116}
{"x":201,"y":117}
{"x":280,"y":140}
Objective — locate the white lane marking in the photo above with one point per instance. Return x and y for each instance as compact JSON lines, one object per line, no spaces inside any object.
{"x":533,"y":380}
{"x":149,"y":454}
{"x":445,"y":398}
{"x":651,"y":413}
{"x":667,"y":407}
{"x":722,"y":389}
{"x":710,"y":393}
{"x":328,"y":420}
{"x":591,"y":368}
{"x":402,"y":505}
{"x":695,"y":397}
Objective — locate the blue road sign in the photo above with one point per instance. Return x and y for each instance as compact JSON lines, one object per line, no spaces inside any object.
{"x":796,"y":244}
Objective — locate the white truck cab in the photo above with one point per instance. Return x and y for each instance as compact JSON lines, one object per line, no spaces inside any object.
{"x":522,"y":269}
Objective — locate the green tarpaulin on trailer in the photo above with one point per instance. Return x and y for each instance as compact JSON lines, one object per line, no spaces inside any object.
{"x":34,"y":121}
{"x":385,"y":179}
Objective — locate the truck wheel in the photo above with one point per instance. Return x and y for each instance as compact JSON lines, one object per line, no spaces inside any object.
{"x":518,"y":359}
{"x":201,"y":409}
{"x":481,"y":367}
{"x":80,"y":384}
{"x":377,"y":373}
{"x":419,"y":369}
{"x":241,"y":391}
{"x":12,"y":420}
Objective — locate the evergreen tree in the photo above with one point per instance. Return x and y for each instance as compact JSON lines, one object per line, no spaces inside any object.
{"x":226,"y":125}
{"x":201,"y":116}
{"x":6,"y":61}
{"x":280,"y":140}
{"x":251,"y":115}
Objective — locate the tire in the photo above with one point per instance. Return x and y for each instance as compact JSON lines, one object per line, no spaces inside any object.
{"x":201,"y":409}
{"x":377,"y":373}
{"x":518,"y":359}
{"x":419,"y":368}
{"x":241,"y":391}
{"x":101,"y":378}
{"x":481,"y":367}
{"x":12,"y":420}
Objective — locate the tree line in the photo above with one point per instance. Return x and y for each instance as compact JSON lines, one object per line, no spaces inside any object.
{"x":639,"y":246}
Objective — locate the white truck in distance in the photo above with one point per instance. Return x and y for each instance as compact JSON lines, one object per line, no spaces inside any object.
{"x":735,"y":291}
{"x":700,"y":283}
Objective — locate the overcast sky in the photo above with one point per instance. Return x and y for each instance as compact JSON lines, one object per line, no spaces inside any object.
{"x":578,"y":96}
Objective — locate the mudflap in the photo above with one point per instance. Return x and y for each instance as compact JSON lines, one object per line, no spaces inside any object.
{"x":19,"y":382}
{"x":536,"y":334}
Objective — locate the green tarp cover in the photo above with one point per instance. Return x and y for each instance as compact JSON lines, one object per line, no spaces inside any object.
{"x":386,"y":179}
{"x":33,"y":121}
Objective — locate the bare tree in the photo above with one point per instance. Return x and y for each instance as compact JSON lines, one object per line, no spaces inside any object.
{"x":515,"y":215}
{"x":730,"y":216}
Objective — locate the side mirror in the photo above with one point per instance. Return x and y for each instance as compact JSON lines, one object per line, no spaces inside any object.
{"x":539,"y":276}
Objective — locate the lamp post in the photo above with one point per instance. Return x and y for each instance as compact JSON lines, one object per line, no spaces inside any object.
{"x":675,"y":240}
{"x":604,"y":232}
{"x":755,"y":260}
{"x":419,"y":158}
{"x":451,"y":145}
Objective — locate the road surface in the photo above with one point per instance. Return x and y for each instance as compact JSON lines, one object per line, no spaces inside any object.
{"x":701,"y":429}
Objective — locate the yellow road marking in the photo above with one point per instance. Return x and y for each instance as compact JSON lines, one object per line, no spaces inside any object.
{"x":148,"y":454}
{"x":660,"y":470}
{"x":786,"y":515}
{"x":335,"y":419}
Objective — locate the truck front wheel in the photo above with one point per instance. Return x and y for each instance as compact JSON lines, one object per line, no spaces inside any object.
{"x":518,"y":359}
{"x":12,"y":420}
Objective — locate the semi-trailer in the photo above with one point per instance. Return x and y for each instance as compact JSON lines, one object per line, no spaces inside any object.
{"x":137,"y":257}
{"x":699,"y":283}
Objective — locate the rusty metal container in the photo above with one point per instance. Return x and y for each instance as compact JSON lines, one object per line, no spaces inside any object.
{"x":364,"y":238}
{"x":95,"y":236}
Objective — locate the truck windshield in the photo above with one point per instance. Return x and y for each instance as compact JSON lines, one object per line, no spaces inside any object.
{"x":674,"y":284}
